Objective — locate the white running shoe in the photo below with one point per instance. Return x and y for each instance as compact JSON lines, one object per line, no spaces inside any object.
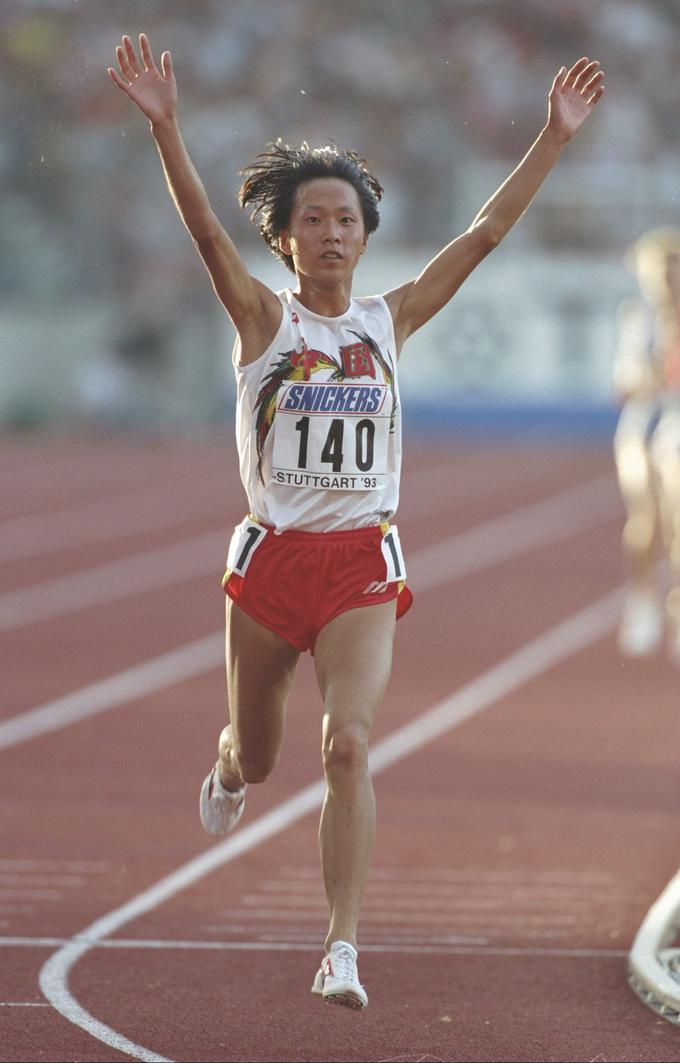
{"x":641,"y":628}
{"x":337,"y":979}
{"x":220,"y":809}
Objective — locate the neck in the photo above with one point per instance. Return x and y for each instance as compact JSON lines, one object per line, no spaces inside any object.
{"x":326,"y":301}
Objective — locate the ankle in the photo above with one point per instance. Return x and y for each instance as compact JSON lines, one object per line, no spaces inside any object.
{"x":333,"y":939}
{"x":227,"y":769}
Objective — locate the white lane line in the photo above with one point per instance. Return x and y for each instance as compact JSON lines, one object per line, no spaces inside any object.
{"x":21,"y":1004}
{"x":539,"y":524}
{"x":123,"y":515}
{"x":429,"y":491}
{"x":464,"y":477}
{"x":31,"y":481}
{"x":451,"y":880}
{"x":30,"y":942}
{"x":545,"y":522}
{"x":384,"y":907}
{"x":413,"y":877}
{"x":468,"y":948}
{"x":193,"y":659}
{"x":28,"y":879}
{"x":536,"y":657}
{"x":484,"y":893}
{"x":19,"y":864}
{"x":560,"y":516}
{"x":113,"y":517}
{"x":37,"y":894}
{"x":162,"y":566}
{"x":502,"y":538}
{"x":444,"y":918}
{"x":390,"y":936}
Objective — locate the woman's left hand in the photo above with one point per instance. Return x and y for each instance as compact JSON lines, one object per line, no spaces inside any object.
{"x":573,"y":95}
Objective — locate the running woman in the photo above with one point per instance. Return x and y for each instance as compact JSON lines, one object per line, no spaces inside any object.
{"x":647,"y":444}
{"x":316,"y":564}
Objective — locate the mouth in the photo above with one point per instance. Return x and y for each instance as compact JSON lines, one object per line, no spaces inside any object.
{"x":331,"y":255}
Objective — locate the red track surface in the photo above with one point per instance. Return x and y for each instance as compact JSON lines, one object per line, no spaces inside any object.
{"x":516,"y":853}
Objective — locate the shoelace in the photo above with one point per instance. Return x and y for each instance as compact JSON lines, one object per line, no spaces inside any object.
{"x":344,"y":965}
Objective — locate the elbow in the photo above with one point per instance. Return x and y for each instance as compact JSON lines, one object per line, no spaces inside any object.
{"x":494,"y":237}
{"x":488,"y":234}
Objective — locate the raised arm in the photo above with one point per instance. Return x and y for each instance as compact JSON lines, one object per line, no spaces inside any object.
{"x":252,"y":306}
{"x":572,"y":97}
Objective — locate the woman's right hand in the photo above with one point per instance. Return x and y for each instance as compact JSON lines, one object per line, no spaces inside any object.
{"x":153,"y":90}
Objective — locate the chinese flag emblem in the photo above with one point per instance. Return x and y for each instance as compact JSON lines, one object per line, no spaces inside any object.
{"x":357,"y":360}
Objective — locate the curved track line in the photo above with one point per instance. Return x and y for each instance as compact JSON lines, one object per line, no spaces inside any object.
{"x":561,"y":642}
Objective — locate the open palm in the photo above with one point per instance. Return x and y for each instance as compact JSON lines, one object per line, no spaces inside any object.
{"x":573,"y":95}
{"x":153,"y":90}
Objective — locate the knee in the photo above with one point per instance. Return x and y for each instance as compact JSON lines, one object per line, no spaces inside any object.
{"x":254,"y":769}
{"x":253,"y":765}
{"x":345,"y":751}
{"x":638,"y":533}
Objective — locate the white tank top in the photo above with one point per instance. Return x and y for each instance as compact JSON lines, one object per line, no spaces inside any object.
{"x":318,"y":419}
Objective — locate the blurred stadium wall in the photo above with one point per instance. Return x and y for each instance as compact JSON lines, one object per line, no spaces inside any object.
{"x":107,"y":316}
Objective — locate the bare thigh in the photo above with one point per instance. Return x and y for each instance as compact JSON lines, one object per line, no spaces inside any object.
{"x":666,"y":456}
{"x":635,"y":472}
{"x":260,"y":670}
{"x":353,"y":659}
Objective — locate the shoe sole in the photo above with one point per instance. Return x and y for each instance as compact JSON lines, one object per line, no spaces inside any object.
{"x":346,"y":1000}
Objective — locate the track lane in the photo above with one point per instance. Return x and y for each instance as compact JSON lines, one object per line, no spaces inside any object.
{"x":523,"y":957}
{"x":163,"y":567}
{"x":513,"y":597}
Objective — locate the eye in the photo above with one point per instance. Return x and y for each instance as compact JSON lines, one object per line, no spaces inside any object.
{"x":312,"y":218}
{"x":347,"y":220}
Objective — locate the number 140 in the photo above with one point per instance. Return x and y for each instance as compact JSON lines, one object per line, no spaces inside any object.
{"x":332,"y":452}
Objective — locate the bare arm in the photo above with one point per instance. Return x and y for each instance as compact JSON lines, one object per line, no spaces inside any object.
{"x":252,"y":306}
{"x":573,"y":95}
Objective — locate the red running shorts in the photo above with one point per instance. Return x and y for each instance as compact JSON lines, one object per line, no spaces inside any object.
{"x":297,"y":582}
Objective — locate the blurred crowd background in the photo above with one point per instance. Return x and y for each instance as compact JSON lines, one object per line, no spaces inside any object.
{"x":107,"y":314}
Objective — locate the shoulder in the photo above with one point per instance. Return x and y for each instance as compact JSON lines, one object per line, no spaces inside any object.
{"x":373,"y":305}
{"x":395,"y":297}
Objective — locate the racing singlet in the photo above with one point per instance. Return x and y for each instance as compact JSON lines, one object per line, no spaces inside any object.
{"x":318,"y":420}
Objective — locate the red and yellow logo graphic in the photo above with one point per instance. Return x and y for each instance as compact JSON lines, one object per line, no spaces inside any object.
{"x":357,"y":361}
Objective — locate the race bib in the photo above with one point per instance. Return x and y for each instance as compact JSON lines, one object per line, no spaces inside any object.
{"x":331,"y":436}
{"x":248,"y":535}
{"x":394,"y":558}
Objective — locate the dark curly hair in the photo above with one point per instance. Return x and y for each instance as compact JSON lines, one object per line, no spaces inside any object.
{"x":272,"y":179}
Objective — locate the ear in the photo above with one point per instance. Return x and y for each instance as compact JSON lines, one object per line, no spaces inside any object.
{"x":284,"y":242}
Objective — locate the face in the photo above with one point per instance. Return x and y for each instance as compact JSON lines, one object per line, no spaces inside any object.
{"x":326,"y":234}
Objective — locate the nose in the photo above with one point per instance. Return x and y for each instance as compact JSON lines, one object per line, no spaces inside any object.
{"x":332,"y":233}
